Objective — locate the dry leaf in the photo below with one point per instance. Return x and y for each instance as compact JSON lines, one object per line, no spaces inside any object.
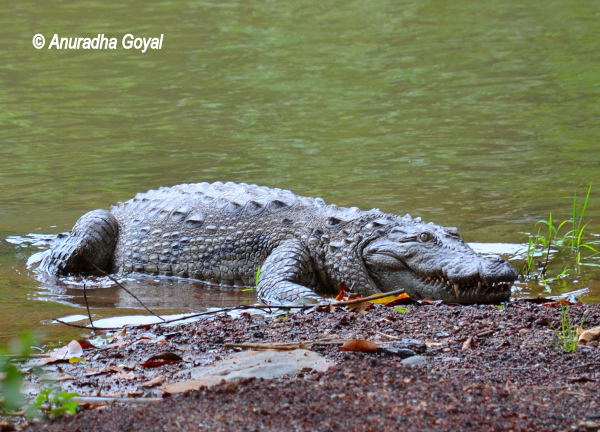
{"x":161,"y":359}
{"x":85,"y":344}
{"x":589,"y":335}
{"x":468,"y":344}
{"x":342,"y":290}
{"x":384,"y":300}
{"x":73,"y":349}
{"x":359,"y":345}
{"x":157,"y":380}
{"x":402,"y":299}
{"x":561,"y":302}
{"x":191,"y":384}
{"x":126,"y":376}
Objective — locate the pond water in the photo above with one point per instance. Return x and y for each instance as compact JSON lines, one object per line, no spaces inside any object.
{"x":482,"y":115}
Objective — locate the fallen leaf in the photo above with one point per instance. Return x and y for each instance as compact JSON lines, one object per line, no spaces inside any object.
{"x":126,"y":376}
{"x":72,"y":350}
{"x":191,"y":384}
{"x":589,"y":335}
{"x":401,"y":309}
{"x":561,"y":302}
{"x":85,"y":344}
{"x":75,"y":360}
{"x":359,"y":345}
{"x":161,"y":359}
{"x":384,"y":300}
{"x":342,"y":290}
{"x":156,"y":381}
{"x":468,"y":344}
{"x":117,"y":344}
{"x":402,"y":299}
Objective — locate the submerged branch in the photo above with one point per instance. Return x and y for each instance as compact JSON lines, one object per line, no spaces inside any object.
{"x":87,"y":307}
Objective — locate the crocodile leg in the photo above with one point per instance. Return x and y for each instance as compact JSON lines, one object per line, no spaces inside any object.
{"x":88,"y":249}
{"x":282,"y":274}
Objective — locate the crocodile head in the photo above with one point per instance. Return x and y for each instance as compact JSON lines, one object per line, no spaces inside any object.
{"x":430,"y":261}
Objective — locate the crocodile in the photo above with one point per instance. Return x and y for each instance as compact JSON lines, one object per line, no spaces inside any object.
{"x":299,"y":249}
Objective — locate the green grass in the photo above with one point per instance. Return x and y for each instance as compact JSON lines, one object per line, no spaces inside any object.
{"x":256,"y":277}
{"x":567,"y":334}
{"x":568,"y":238}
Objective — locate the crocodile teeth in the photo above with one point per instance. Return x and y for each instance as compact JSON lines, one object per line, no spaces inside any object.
{"x":479,"y":285}
{"x":456,"y":288}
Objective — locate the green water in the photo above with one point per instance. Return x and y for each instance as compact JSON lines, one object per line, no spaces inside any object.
{"x":483,"y":115}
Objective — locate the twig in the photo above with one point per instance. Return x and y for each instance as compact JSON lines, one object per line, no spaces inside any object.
{"x":87,"y":306}
{"x":585,"y":365}
{"x":484,"y":333}
{"x":213,"y":312}
{"x":285,"y":345}
{"x":105,"y":399}
{"x":388,"y":336}
{"x":12,"y":413}
{"x":82,"y":326}
{"x":245,"y":307}
{"x":545,"y":267}
{"x":120,"y":285}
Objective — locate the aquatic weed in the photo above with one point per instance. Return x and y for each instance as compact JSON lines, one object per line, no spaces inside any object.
{"x":557,"y":238}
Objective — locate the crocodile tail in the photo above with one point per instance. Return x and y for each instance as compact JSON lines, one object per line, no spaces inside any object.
{"x":88,"y":249}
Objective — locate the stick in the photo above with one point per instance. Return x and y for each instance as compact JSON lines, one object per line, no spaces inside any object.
{"x":108,"y":399}
{"x":371,"y":297}
{"x":286,"y":345}
{"x":245,"y":307}
{"x":87,"y":306}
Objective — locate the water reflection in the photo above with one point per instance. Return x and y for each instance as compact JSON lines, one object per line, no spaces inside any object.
{"x":158,"y":294}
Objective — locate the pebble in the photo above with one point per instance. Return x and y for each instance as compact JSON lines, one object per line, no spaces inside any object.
{"x":413,"y":361}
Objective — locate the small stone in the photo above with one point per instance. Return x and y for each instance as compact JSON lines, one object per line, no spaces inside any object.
{"x":416,"y":360}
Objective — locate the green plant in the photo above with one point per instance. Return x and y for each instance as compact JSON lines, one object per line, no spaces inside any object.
{"x":257,"y":276}
{"x":50,"y":401}
{"x":578,"y":224}
{"x":567,"y":237}
{"x":567,"y":334}
{"x":11,"y":376}
{"x":531,"y":253}
{"x":56,"y":403}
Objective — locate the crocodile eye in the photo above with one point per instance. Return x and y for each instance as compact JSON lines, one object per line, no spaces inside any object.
{"x":424,"y":237}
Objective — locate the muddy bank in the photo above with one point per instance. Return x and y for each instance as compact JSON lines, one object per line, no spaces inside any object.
{"x":481,"y":368}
